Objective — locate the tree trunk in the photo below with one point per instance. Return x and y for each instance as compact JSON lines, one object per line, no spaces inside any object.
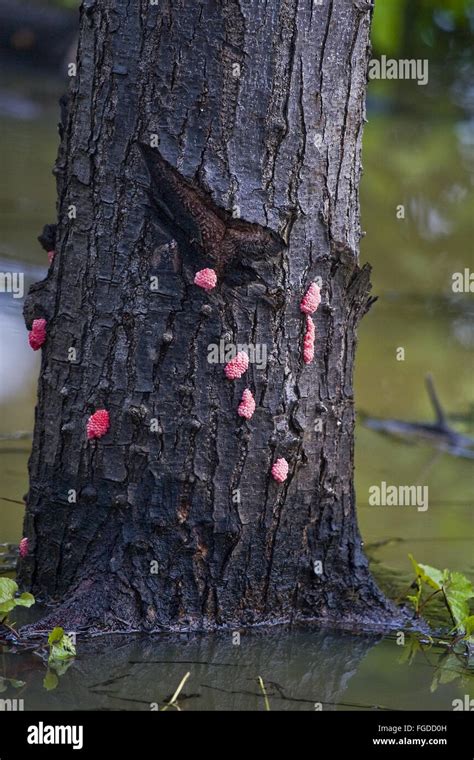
{"x":221,"y":134}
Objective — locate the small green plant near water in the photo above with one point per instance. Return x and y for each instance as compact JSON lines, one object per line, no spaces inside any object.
{"x":455,"y":591}
{"x":60,"y":646}
{"x":448,"y":666}
{"x":451,"y":668}
{"x":9,"y":600}
{"x":61,"y":653}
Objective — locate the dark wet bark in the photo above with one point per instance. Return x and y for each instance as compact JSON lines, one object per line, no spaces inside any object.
{"x":256,"y":176}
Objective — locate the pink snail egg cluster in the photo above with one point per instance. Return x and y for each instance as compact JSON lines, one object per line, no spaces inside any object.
{"x":311,"y":299}
{"x":98,"y":424}
{"x":23,"y":548}
{"x":309,"y":339}
{"x":247,"y":405}
{"x":51,"y":255}
{"x":37,"y":335}
{"x":237,"y":366}
{"x":206,"y":278}
{"x":280,"y":470}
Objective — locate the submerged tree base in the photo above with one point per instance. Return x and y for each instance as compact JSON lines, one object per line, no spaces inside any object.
{"x":88,"y":613}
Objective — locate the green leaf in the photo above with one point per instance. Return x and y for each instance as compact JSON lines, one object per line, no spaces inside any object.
{"x":61,"y":646}
{"x":468,"y":625}
{"x":447,"y":671}
{"x":7,"y":607}
{"x":458,"y":590}
{"x":8,"y":589}
{"x":446,"y":675}
{"x":25,"y":600}
{"x":432,"y":576}
{"x":51,"y":680}
{"x":427,"y":574}
{"x":55,"y":635}
{"x":410,"y":650}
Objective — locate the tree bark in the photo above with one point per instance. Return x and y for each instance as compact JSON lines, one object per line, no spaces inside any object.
{"x":223,"y":134}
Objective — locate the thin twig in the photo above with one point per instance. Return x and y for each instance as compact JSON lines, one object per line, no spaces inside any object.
{"x":449,"y":608}
{"x":428,"y":599}
{"x":265,"y":697}
{"x":172,"y":701}
{"x":10,"y":628}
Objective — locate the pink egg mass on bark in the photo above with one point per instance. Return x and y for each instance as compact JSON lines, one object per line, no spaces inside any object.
{"x":280,"y":470}
{"x":23,"y":548}
{"x":37,"y":335}
{"x":247,"y":405}
{"x":98,"y":424}
{"x":237,"y":366}
{"x":311,"y":299}
{"x":308,"y":343}
{"x":206,"y":278}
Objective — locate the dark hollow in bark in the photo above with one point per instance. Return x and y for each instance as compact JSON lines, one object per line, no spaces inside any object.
{"x":223,"y":135}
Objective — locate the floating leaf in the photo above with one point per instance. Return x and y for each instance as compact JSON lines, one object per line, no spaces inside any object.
{"x":51,"y":680}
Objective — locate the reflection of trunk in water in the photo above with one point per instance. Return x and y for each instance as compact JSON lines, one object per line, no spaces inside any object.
{"x":299,"y":669}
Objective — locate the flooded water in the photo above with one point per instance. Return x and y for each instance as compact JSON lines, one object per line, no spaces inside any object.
{"x":419,"y":154}
{"x":304,"y":670}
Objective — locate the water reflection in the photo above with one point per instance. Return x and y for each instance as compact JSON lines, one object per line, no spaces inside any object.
{"x":301,"y":670}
